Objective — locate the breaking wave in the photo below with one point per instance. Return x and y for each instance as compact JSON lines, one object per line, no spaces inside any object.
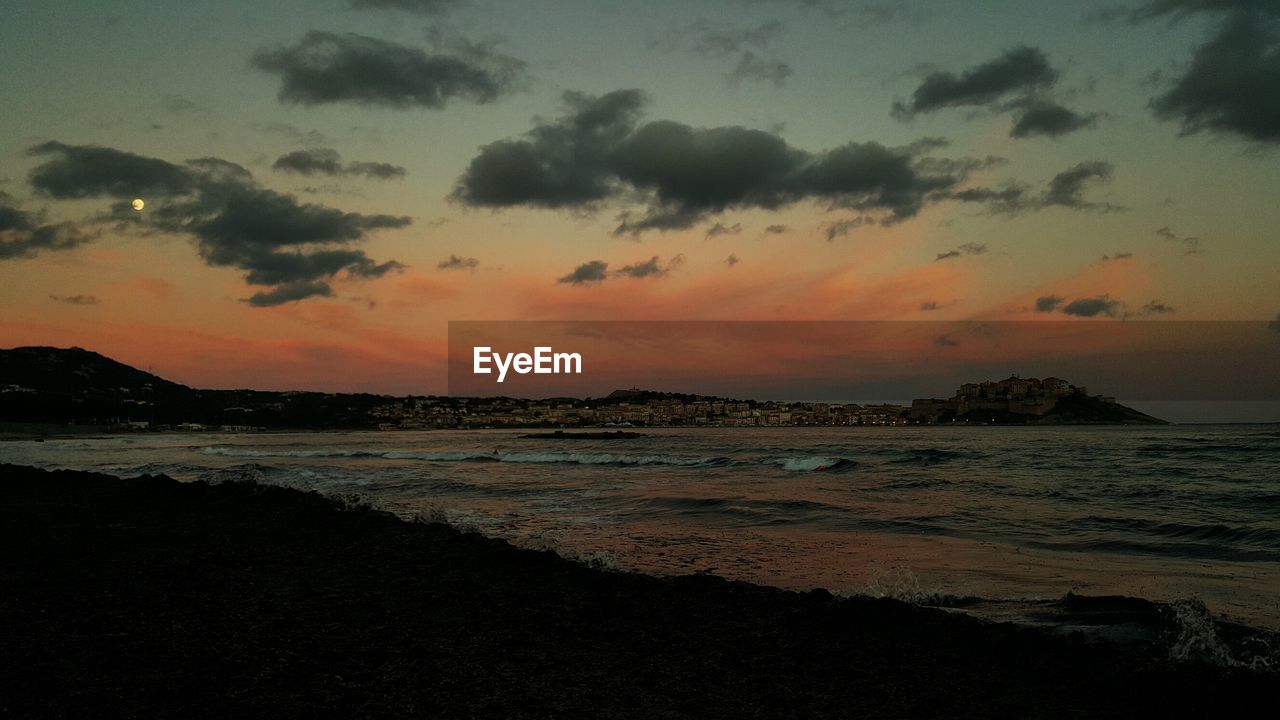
{"x":463,"y":456}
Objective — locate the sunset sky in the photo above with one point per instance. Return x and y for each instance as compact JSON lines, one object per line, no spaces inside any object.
{"x":327,"y":183}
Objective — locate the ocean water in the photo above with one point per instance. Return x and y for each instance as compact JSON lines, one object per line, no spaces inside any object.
{"x":1011,"y":515}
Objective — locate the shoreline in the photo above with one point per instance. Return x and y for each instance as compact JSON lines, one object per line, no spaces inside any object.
{"x":149,"y":596}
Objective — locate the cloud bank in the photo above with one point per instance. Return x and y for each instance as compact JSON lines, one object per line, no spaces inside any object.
{"x":291,"y":247}
{"x":599,"y":153}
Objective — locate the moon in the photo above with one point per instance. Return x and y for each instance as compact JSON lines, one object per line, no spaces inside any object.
{"x":138,"y":205}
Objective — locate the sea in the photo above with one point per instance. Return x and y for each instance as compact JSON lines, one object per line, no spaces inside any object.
{"x":999,"y":521}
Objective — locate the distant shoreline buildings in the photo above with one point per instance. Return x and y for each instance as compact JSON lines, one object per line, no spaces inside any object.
{"x":52,"y":390}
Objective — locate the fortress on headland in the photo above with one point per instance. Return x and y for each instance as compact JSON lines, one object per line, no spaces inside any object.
{"x":1012,"y":396}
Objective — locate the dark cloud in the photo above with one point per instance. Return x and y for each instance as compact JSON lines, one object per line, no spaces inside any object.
{"x":327,"y":67}
{"x":324,"y":161}
{"x":930,"y":306}
{"x":587,"y":273}
{"x":721,"y":229}
{"x":457,"y":262}
{"x":290,"y":292}
{"x":965,"y":249}
{"x":599,"y":152}
{"x":84,"y":171}
{"x":319,"y":161}
{"x":424,"y":7}
{"x":1092,"y":307}
{"x":1155,"y":307}
{"x":1117,"y":256}
{"x":752,"y":67}
{"x":1233,"y":83}
{"x":775,"y":229}
{"x":1019,"y":70}
{"x":75,"y":299}
{"x":24,"y":233}
{"x":558,"y":165}
{"x":272,"y":237}
{"x":732,"y":260}
{"x":1049,"y":303}
{"x":1048,"y":118}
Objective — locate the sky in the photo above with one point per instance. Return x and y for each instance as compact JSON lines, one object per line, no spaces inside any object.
{"x":327,"y":183}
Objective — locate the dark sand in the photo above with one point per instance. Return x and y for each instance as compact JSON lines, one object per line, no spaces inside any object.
{"x":151,"y":598}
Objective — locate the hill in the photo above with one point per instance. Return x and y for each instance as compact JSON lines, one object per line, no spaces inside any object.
{"x":75,"y":370}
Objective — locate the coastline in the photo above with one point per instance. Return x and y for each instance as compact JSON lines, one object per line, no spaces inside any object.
{"x":146,"y":596}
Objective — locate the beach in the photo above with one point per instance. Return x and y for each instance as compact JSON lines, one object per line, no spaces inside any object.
{"x":151,"y":597}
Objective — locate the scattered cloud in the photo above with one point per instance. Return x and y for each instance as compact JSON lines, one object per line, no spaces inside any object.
{"x":594,"y":271}
{"x":1022,"y":69}
{"x":732,"y":260}
{"x":1092,"y":307}
{"x":1018,"y":81}
{"x":1049,"y":303}
{"x":930,"y":306}
{"x":178,"y":104}
{"x":1155,"y":307}
{"x":840,"y":228}
{"x":721,"y":229}
{"x":649,"y":268}
{"x":326,"y":67}
{"x":776,"y":229}
{"x":1067,"y":187}
{"x":1049,"y":119}
{"x":324,"y":161}
{"x":296,"y":135}
{"x":719,"y":41}
{"x":1117,"y":256}
{"x":598,"y":152}
{"x":597,"y":271}
{"x":75,"y":299}
{"x":748,"y":44}
{"x":24,"y":234}
{"x":294,"y":248}
{"x":457,"y":262}
{"x":751,"y":67}
{"x":1190,"y":245}
{"x":965,"y":249}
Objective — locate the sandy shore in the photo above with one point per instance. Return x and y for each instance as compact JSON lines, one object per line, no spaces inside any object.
{"x":152,"y":598}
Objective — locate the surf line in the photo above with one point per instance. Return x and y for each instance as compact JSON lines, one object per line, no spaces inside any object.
{"x":543,"y":361}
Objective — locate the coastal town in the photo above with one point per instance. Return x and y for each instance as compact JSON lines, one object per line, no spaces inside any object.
{"x":51,"y":390}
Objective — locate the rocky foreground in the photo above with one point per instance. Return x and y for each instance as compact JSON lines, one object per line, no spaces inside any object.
{"x":152,"y":598}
